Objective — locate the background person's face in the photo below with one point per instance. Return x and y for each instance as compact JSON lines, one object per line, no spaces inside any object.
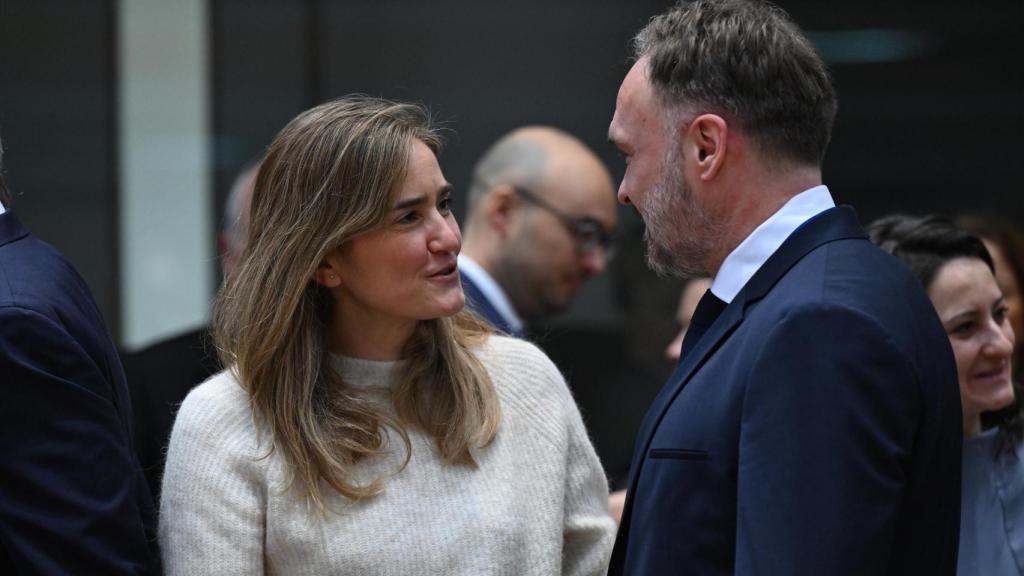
{"x":973,"y":313}
{"x":1011,"y":289}
{"x":542,"y":267}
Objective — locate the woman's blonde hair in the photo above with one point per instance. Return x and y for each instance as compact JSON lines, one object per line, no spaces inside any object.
{"x":330,"y":175}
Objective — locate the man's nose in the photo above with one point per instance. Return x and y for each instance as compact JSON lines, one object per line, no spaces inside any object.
{"x":594,"y":261}
{"x":622,"y":195}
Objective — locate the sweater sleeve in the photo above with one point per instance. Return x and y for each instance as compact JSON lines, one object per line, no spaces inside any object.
{"x":588,"y":529}
{"x":213,"y":501}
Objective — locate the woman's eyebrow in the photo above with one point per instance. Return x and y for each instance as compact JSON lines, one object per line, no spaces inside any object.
{"x":417,"y":200}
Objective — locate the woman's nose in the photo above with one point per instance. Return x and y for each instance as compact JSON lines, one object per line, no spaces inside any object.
{"x":1002,"y":340}
{"x":445,"y":236}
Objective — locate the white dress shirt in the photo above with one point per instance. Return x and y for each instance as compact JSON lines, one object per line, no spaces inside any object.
{"x":745,"y":260}
{"x":494,"y":294}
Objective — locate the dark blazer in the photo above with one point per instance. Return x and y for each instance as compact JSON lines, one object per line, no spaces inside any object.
{"x":478,"y":303}
{"x":814,"y":429}
{"x":72,"y":497}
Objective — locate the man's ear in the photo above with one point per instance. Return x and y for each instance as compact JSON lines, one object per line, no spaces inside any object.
{"x":706,"y":141}
{"x":327,"y":274}
{"x":500,"y":207}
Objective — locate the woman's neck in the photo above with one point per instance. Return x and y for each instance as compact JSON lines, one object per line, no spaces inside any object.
{"x":972,"y":425}
{"x":370,"y":340}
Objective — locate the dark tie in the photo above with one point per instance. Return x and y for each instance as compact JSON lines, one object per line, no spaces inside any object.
{"x":708,"y":309}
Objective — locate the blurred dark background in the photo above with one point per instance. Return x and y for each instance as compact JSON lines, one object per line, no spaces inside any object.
{"x":929,"y":121}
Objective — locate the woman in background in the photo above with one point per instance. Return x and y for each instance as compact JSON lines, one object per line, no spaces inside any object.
{"x":1005,"y":243}
{"x":367,"y":425}
{"x":958,"y":274}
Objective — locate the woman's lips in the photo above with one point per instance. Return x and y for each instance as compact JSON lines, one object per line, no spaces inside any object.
{"x":446,"y":273}
{"x":993,"y":376}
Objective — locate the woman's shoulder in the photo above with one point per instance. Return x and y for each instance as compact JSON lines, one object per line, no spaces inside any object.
{"x":516,"y":354}
{"x":522,"y":372}
{"x":221,"y":389}
{"x":219,"y":402}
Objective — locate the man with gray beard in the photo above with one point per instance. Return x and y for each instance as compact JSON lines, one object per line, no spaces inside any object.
{"x":813,"y":423}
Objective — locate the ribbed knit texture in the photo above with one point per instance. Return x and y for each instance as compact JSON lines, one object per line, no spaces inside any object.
{"x":536,"y":505}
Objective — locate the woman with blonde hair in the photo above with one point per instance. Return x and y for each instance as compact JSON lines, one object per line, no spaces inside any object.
{"x":366,"y":424}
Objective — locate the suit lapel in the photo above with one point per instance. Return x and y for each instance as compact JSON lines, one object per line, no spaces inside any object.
{"x":477,"y":302}
{"x":833,"y":224}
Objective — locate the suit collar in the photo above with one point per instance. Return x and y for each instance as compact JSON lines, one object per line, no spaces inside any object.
{"x":747,"y":258}
{"x":11,"y":228}
{"x":478,"y":302}
{"x":834,"y":224}
{"x":486,"y":286}
{"x":839,"y":223}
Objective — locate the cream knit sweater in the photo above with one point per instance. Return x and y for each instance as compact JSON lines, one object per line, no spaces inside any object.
{"x":537,"y":503}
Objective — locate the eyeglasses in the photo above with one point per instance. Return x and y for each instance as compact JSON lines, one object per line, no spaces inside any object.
{"x":589,"y":234}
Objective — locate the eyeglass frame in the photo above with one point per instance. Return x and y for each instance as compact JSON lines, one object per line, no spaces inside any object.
{"x":588,"y":233}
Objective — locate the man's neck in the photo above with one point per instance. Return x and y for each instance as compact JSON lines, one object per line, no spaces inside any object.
{"x":759,"y":199}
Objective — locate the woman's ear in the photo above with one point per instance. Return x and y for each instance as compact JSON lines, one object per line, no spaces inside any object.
{"x":327,"y":274}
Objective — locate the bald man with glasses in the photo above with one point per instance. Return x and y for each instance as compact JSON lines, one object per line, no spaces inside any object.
{"x":540,"y":223}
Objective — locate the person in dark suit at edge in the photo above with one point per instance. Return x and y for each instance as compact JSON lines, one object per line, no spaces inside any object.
{"x":162,"y":374}
{"x":73,"y":499}
{"x":540,"y":222}
{"x":813,"y":424}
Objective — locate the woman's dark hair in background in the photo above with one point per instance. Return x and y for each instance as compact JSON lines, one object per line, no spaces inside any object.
{"x":925,"y":244}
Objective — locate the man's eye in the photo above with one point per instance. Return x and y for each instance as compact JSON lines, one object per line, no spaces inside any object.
{"x":445,"y":205}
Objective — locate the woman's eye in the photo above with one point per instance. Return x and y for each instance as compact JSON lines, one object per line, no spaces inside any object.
{"x":445,"y":205}
{"x":408,"y":218}
{"x":962,"y":329}
{"x":1000,"y":314}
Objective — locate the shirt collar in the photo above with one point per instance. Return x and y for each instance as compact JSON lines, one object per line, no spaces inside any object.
{"x":745,"y":260}
{"x":2,"y":209}
{"x":492,"y":291}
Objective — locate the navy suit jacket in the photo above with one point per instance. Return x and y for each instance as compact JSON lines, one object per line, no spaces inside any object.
{"x":814,"y":429}
{"x":478,"y":303}
{"x":72,"y":497}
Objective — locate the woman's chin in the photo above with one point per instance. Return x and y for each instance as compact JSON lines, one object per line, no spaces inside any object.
{"x":448,"y":307}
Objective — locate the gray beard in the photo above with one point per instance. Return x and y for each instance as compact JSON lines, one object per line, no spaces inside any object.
{"x":679,"y":233}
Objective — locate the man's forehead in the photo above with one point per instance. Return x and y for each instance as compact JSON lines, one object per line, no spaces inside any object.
{"x":634,"y":91}
{"x":635,"y":84}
